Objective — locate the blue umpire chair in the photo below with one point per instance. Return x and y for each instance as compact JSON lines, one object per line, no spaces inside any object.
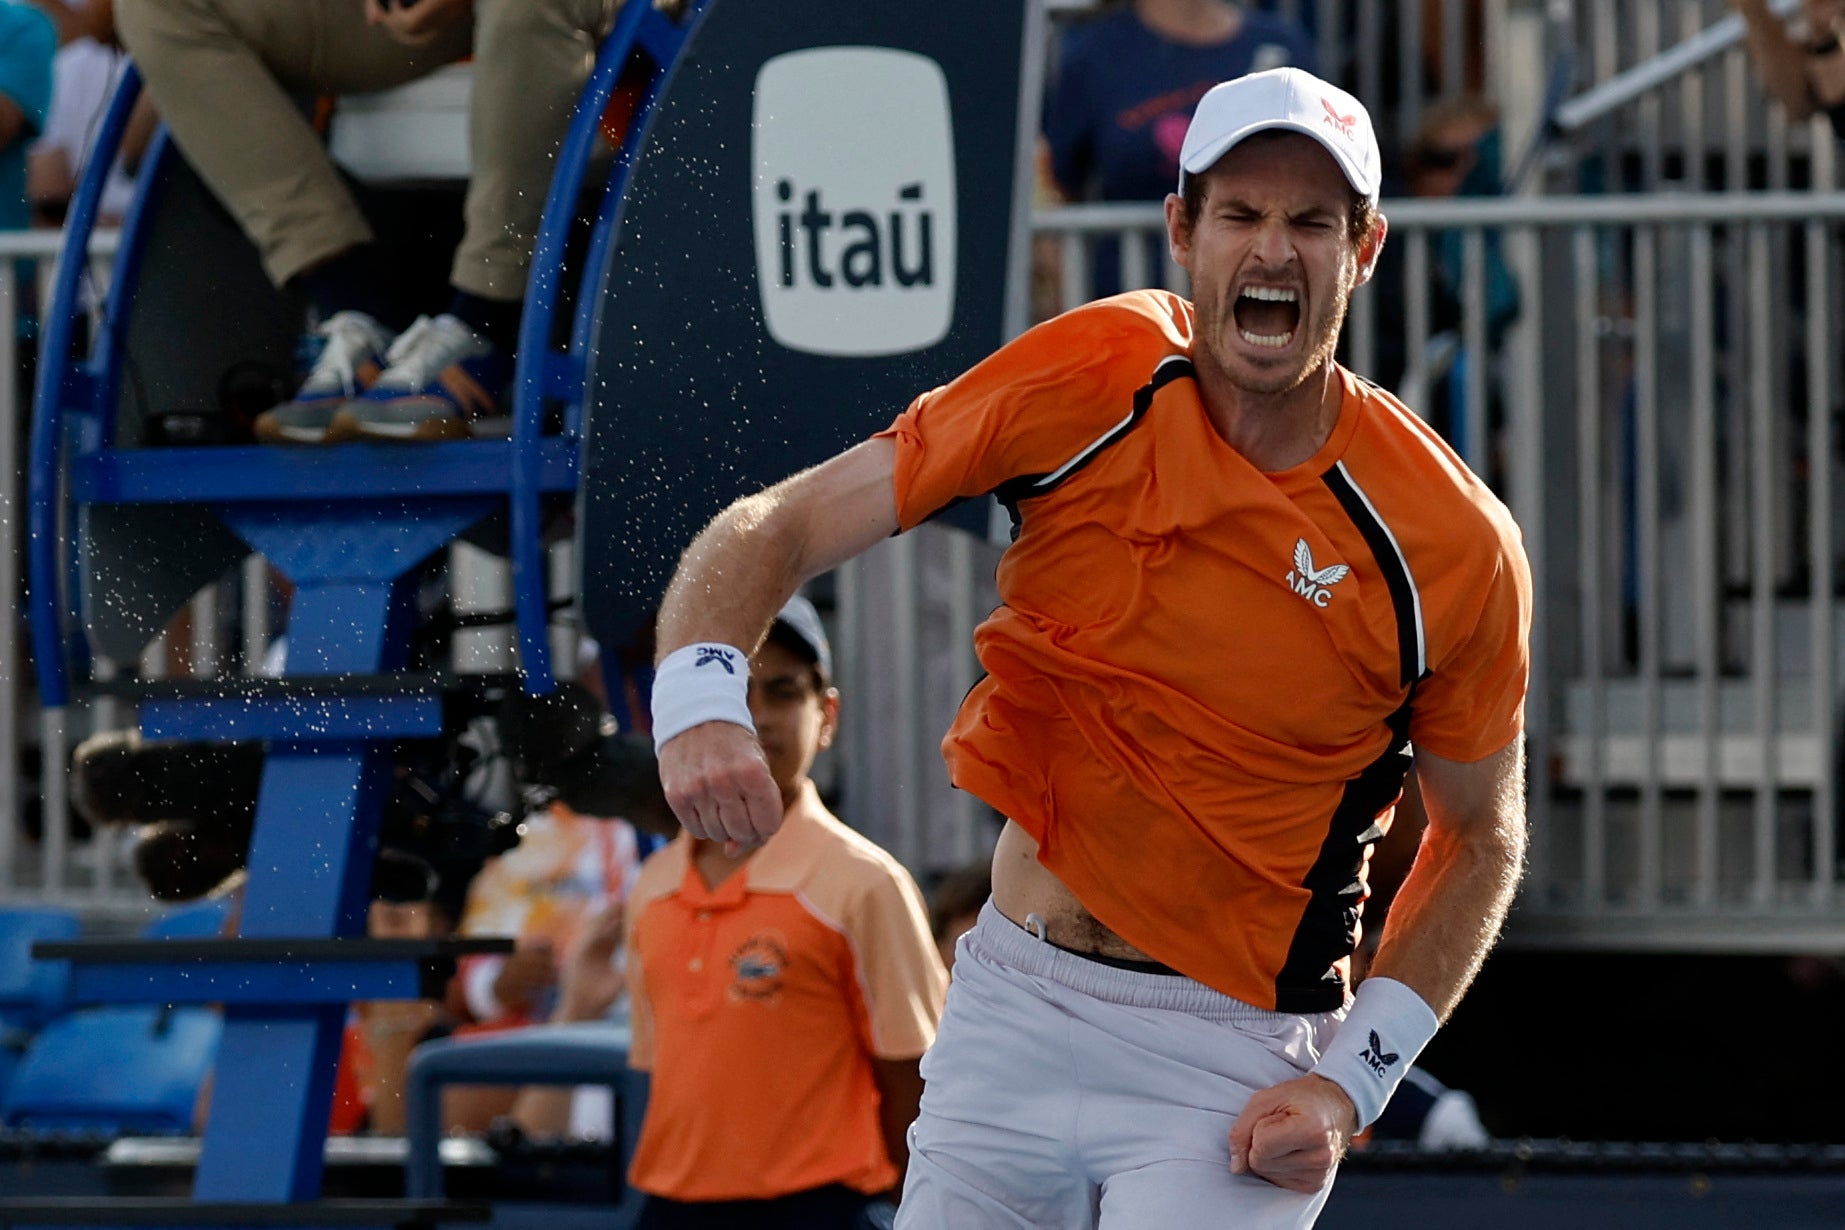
{"x":196,"y":920}
{"x":818,"y":209}
{"x":349,"y":526}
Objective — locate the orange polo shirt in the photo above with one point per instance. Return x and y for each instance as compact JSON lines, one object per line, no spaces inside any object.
{"x":1202,"y":675}
{"x":759,"y":1006}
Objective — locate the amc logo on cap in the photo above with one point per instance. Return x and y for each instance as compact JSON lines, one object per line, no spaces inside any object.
{"x":854,"y":201}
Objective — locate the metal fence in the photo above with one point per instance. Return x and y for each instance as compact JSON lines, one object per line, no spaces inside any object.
{"x":38,"y":858}
{"x":1711,"y":127}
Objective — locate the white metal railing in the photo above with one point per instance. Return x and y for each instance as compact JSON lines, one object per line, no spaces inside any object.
{"x":54,"y":868}
{"x":1708,"y":123}
{"x":1653,"y":420}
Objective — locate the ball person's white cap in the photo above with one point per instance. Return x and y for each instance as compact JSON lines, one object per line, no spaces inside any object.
{"x":1284,"y":98}
{"x":800,"y":618}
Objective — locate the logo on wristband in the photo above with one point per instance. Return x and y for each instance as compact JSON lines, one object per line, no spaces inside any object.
{"x":1375,"y":1057}
{"x":711,"y":653}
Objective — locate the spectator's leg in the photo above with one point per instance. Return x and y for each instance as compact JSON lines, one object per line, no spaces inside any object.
{"x":531,"y":60}
{"x":221,"y":73}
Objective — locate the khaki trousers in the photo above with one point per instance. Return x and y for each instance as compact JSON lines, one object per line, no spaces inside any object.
{"x":222,"y":73}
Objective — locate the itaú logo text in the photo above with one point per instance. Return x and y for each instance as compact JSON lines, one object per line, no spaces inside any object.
{"x":854,"y":201}
{"x":856,"y":248}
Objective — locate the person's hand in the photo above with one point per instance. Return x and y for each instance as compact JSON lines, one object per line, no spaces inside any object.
{"x":529,"y":969}
{"x":1824,"y":17}
{"x":591,"y":981}
{"x":97,"y":20}
{"x":418,"y":22}
{"x":407,"y":1019}
{"x":1293,"y":1134}
{"x":718,"y":784}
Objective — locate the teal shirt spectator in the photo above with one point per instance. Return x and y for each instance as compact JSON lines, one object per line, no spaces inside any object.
{"x":28,"y":41}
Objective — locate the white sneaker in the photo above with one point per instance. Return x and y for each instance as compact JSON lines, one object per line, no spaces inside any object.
{"x":441,"y":377}
{"x":351,"y":349}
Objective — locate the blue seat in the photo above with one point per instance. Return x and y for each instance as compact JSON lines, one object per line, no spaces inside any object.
{"x":578,"y":1053}
{"x":136,"y":1069}
{"x":196,"y":920}
{"x":32,"y":992}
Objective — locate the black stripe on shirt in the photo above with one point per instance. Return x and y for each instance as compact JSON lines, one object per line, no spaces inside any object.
{"x":1405,"y":599}
{"x":1309,"y":980}
{"x":1014,"y":491}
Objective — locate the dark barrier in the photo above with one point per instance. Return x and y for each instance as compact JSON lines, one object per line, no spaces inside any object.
{"x":1546,"y":1184}
{"x":827,"y":219}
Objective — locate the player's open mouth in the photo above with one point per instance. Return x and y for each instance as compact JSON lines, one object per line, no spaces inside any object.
{"x":1267,"y":316}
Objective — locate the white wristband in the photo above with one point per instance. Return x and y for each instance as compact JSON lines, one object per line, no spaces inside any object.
{"x":706,"y":682}
{"x":1385,"y":1030}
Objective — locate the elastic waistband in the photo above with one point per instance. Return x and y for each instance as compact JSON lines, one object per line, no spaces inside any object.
{"x":1126,"y":963}
{"x":1010,"y":944}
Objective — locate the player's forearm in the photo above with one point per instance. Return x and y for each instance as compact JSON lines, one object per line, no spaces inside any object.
{"x":734,"y":577}
{"x":1448,"y":913}
{"x":744,"y":565}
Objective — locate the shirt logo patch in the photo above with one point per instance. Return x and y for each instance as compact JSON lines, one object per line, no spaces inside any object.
{"x":758,"y":966}
{"x":1314,"y":584}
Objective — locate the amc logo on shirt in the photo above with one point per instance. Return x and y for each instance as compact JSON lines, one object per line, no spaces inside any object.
{"x":854,"y":201}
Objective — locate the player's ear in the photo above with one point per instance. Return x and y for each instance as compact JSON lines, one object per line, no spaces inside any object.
{"x":1370,"y":248}
{"x":1178,"y":230}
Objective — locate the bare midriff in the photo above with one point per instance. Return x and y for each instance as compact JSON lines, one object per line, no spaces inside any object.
{"x":1022,"y":886}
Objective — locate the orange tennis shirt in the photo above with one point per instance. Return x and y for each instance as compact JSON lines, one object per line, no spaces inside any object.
{"x":759,"y":1006}
{"x":1202,"y":677}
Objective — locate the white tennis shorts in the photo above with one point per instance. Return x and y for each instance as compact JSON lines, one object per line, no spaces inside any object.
{"x":1066,"y":1093}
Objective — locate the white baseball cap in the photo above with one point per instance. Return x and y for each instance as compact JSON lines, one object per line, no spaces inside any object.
{"x":1291,"y":99}
{"x":800,"y":618}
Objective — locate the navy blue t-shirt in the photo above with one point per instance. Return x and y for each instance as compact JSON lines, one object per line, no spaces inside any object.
{"x":1115,"y":116}
{"x":1117,"y":111}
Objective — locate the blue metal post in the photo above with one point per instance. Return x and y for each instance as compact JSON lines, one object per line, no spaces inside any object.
{"x":310,"y":875}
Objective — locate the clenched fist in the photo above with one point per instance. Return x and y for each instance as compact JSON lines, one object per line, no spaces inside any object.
{"x":1294,"y":1134}
{"x":717,"y":782}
